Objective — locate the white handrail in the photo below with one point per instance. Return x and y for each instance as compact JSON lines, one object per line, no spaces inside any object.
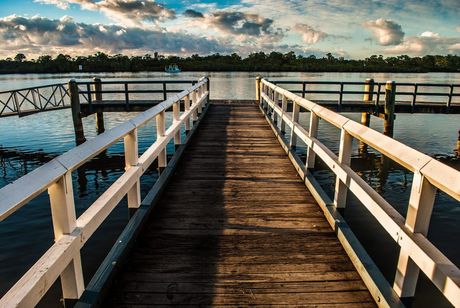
{"x":71,"y":233}
{"x":417,"y":252}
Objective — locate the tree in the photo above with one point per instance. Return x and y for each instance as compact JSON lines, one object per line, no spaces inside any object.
{"x":19,"y":57}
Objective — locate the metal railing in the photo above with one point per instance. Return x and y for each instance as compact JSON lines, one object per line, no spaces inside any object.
{"x":27,"y":101}
{"x":342,"y":90}
{"x":71,"y":232}
{"x":93,"y":91}
{"x":410,"y":232}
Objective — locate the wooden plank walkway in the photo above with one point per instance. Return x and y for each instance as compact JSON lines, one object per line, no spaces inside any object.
{"x":236,"y":227}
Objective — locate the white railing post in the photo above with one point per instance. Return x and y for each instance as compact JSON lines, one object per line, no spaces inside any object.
{"x":187,"y":108}
{"x":295,"y":120}
{"x":345,"y":150}
{"x":64,"y":222}
{"x":176,"y":118}
{"x":194,"y":101}
{"x":131,"y":160}
{"x":161,"y":129}
{"x":259,"y":86}
{"x":284,"y":108}
{"x":263,"y":89}
{"x":312,"y":133}
{"x":199,"y":96}
{"x":418,"y":217}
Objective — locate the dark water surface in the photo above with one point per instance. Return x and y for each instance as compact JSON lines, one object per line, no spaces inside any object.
{"x":28,"y":142}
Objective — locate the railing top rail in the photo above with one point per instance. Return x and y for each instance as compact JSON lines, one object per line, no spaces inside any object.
{"x":440,"y":175}
{"x":33,"y":88}
{"x":18,"y":193}
{"x":319,"y":82}
{"x":122,"y":82}
{"x":129,"y":91}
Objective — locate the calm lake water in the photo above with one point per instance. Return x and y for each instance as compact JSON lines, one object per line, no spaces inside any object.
{"x":28,"y":142}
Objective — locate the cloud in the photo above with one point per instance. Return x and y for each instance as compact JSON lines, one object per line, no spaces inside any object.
{"x":386,"y":31}
{"x":38,"y":35}
{"x":309,"y":34}
{"x":130,"y":12}
{"x":239,"y":26}
{"x":62,"y":4}
{"x":241,"y":23}
{"x":193,"y":14}
{"x":426,"y":43}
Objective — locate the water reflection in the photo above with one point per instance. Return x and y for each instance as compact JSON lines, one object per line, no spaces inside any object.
{"x":32,"y":141}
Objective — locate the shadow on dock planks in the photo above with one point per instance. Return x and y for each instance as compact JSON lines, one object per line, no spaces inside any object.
{"x":236,"y":226}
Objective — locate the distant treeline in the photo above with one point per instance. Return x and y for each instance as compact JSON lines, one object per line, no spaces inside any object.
{"x":274,"y":61}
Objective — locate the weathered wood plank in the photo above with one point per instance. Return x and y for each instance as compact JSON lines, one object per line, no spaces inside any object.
{"x":236,"y":227}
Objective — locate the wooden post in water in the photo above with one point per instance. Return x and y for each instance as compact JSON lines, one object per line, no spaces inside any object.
{"x":368,"y":87}
{"x":366,"y":116}
{"x":76,"y":114}
{"x":388,"y":125}
{"x":258,"y":82}
{"x":97,"y":88}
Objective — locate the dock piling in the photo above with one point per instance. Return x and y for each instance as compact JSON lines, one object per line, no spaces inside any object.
{"x":389,"y":108}
{"x":97,"y":88}
{"x":76,"y":114}
{"x":366,"y":116}
{"x":368,"y":97}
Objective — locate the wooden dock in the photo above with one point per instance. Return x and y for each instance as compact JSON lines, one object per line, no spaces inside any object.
{"x":237,"y":227}
{"x":236,"y":217}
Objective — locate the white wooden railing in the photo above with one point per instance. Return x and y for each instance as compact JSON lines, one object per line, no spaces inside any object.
{"x":417,"y":252}
{"x":71,"y":233}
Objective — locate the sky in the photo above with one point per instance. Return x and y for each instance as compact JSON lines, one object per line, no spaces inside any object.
{"x":346,"y":28}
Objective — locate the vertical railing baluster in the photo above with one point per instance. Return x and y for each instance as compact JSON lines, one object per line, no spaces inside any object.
{"x":186,"y":109}
{"x":64,"y":222}
{"x":295,"y":120}
{"x":90,"y":99}
{"x":414,"y":97}
{"x":194,"y":100}
{"x":132,"y":160}
{"x":275,"y":101}
{"x":345,"y":150}
{"x":161,"y":129}
{"x":303,"y":89}
{"x":418,"y":217}
{"x":97,"y":96}
{"x":312,"y":133}
{"x":449,"y":100}
{"x":341,"y":96}
{"x":165,"y":94}
{"x":200,"y":95}
{"x":176,"y":118}
{"x":126,"y":95}
{"x":284,"y":108}
{"x":16,"y":102}
{"x":40,"y":98}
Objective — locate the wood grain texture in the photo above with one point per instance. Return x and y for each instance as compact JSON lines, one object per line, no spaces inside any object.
{"x":236,"y":227}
